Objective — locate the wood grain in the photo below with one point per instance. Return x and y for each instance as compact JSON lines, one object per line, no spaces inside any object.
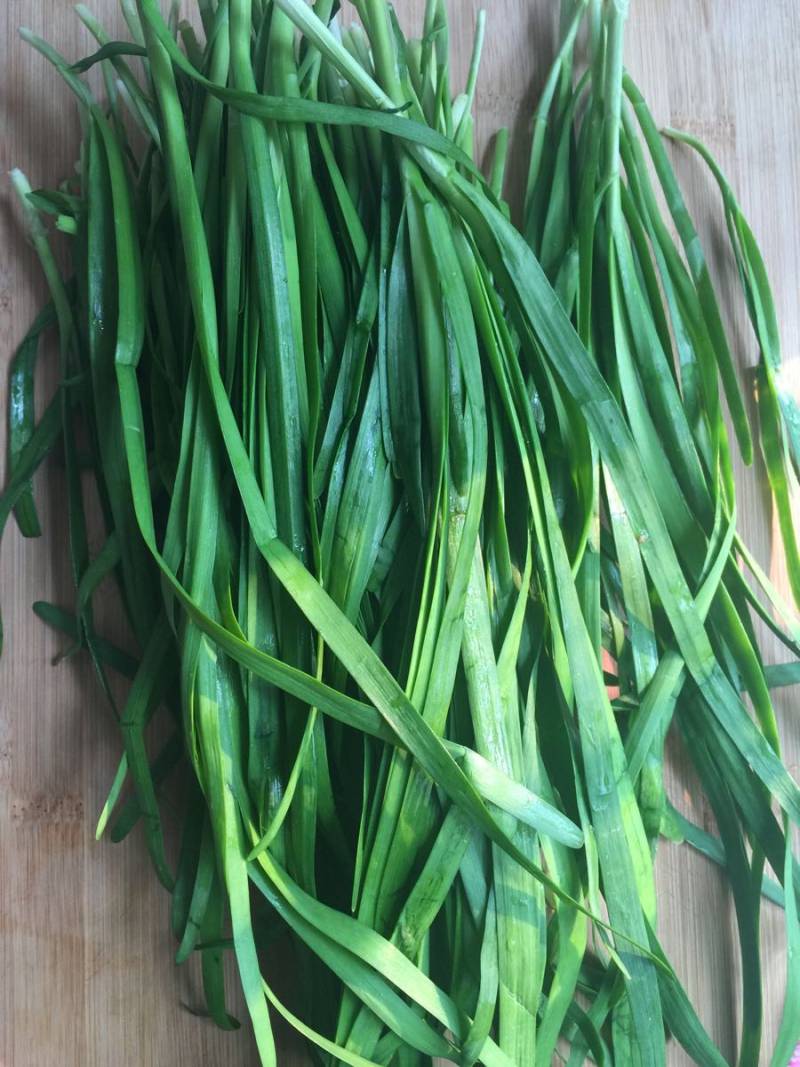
{"x":85,"y":951}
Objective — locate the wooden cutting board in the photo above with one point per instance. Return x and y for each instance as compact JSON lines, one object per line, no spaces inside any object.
{"x":85,"y":950}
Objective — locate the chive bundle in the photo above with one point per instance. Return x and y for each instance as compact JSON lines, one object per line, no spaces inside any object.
{"x":395,"y":496}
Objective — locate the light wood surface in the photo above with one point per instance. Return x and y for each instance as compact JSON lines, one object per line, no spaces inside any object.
{"x":85,"y":951}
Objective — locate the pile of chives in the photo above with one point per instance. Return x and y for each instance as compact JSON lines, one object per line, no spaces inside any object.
{"x":424,"y":526}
